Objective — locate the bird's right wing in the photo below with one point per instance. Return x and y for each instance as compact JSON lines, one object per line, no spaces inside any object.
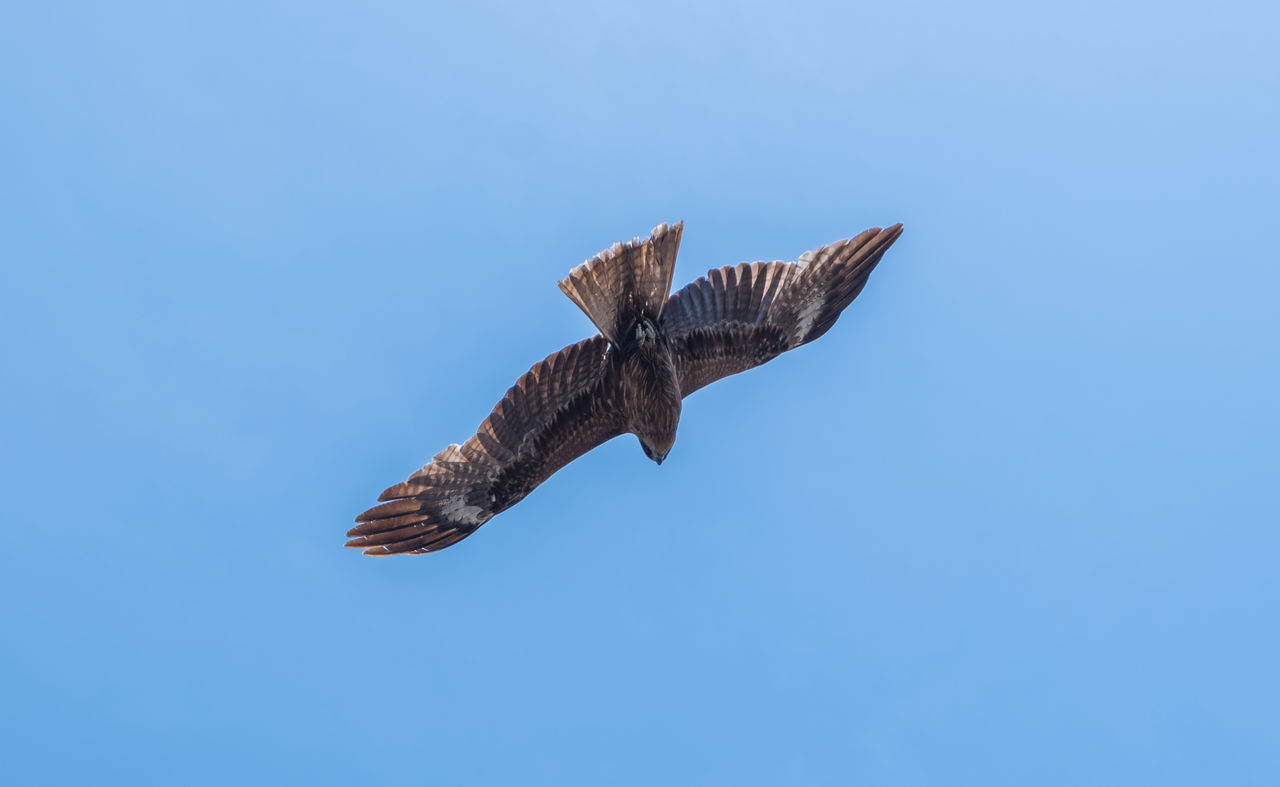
{"x":556,"y":412}
{"x":737,"y":318}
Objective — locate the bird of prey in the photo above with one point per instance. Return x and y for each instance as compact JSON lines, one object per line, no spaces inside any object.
{"x":653,"y":350}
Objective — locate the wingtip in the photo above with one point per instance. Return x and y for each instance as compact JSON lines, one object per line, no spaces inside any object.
{"x":367,"y":549}
{"x":389,"y":509}
{"x":883,"y":238}
{"x":892,"y":234}
{"x":880,"y":242}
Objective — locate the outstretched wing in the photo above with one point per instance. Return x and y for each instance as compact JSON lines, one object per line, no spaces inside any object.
{"x":739,"y":317}
{"x":562,"y":408}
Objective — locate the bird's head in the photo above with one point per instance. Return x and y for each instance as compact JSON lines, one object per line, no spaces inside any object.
{"x":654,"y":452}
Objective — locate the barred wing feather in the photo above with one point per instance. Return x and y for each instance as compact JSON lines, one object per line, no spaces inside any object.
{"x":738,"y":317}
{"x":557,"y":411}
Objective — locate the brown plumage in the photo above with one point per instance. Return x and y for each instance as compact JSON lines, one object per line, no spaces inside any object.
{"x":652,"y":351}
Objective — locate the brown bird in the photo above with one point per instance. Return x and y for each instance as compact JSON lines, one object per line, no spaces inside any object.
{"x":651,"y":352}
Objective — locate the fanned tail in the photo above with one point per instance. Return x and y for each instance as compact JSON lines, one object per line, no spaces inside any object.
{"x":623,"y":283}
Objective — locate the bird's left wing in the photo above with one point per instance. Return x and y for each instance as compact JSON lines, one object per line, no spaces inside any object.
{"x":739,"y":317}
{"x":559,"y":410}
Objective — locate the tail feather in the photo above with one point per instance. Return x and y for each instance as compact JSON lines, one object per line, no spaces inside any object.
{"x":629,"y":280}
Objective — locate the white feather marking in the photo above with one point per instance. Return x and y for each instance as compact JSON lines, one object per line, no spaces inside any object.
{"x":645,"y":332}
{"x":455,"y":509}
{"x":807,"y":317}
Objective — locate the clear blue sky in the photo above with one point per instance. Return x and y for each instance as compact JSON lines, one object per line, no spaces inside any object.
{"x":1014,"y":520}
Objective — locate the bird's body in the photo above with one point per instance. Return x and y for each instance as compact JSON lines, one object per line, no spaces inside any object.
{"x":651,"y":352}
{"x":650,"y":389}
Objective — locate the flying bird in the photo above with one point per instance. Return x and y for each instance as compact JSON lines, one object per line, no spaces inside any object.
{"x":653,"y":350}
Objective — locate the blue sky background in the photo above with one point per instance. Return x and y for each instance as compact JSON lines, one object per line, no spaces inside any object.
{"x":1014,"y":520}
